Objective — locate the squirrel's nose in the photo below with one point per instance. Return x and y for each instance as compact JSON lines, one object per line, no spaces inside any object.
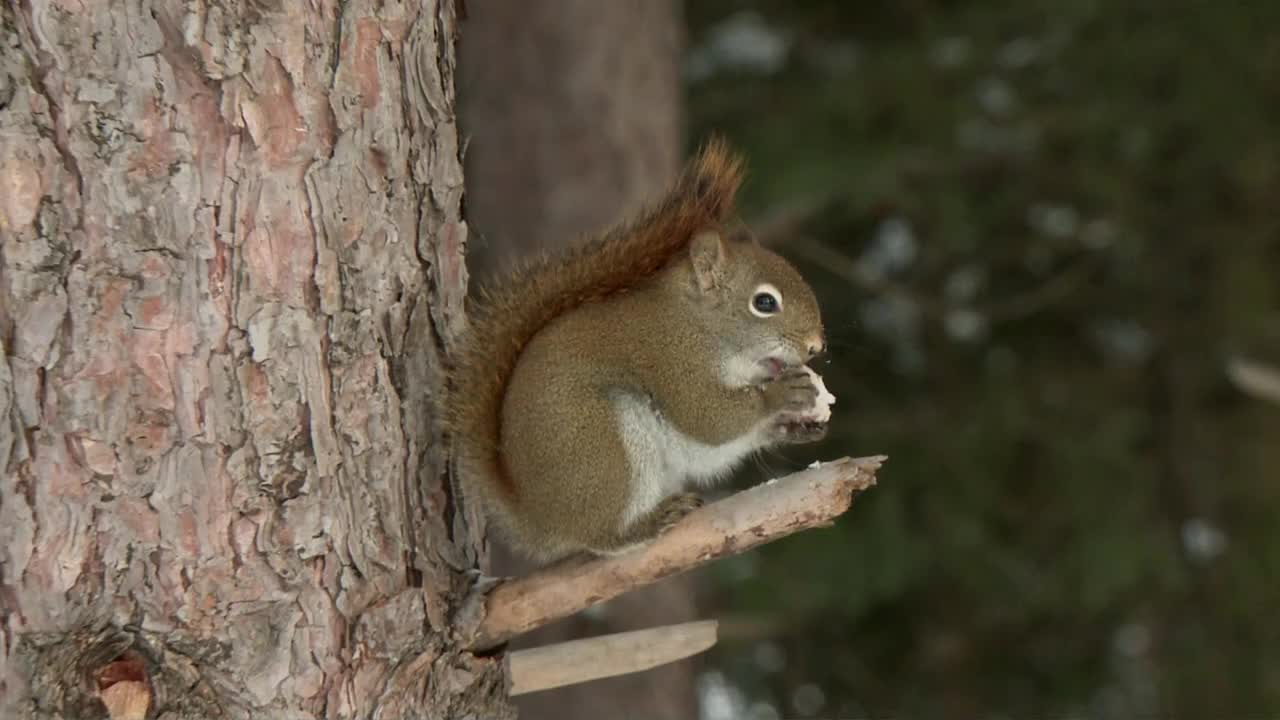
{"x":817,"y":346}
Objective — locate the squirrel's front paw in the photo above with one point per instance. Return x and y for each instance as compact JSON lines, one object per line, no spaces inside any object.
{"x":791,"y":392}
{"x":797,"y":431}
{"x":800,"y":407}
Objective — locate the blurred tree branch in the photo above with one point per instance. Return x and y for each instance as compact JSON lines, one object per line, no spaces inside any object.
{"x":786,"y":229}
{"x":1255,"y":379}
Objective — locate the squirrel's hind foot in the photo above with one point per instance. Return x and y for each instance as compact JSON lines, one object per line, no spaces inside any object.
{"x":661,"y":518}
{"x":673,"y":509}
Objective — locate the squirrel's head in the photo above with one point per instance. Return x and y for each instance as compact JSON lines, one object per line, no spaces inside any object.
{"x":758,"y":305}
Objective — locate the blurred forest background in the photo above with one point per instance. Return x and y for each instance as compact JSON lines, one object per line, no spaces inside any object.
{"x":1047,"y":240}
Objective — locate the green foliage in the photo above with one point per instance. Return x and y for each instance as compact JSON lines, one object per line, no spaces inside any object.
{"x":1057,"y":222}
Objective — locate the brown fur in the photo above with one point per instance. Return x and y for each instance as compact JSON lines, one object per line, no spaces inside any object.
{"x":512,"y":310}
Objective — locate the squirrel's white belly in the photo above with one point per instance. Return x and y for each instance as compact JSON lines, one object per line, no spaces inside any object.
{"x":664,"y":461}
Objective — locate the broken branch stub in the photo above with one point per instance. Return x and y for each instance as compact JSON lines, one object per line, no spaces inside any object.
{"x":577,"y":661}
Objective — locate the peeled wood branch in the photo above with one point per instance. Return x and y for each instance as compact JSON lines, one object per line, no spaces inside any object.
{"x":766,"y":512}
{"x":577,"y":661}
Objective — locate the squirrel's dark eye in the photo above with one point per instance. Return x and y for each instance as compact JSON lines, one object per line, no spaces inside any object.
{"x":764,"y":303}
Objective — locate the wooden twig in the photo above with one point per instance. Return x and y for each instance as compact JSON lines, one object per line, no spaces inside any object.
{"x":577,"y":661}
{"x":738,"y":523}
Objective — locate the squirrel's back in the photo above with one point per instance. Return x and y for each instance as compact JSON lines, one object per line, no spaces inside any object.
{"x":510,"y":311}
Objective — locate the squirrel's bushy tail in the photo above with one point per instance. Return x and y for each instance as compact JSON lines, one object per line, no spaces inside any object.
{"x":511,"y":310}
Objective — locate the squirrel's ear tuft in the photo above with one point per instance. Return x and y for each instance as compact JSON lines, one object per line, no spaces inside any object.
{"x":710,"y":266}
{"x":713,"y":177}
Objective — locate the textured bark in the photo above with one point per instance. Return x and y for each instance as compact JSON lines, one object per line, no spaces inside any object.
{"x":231,"y":266}
{"x":572,"y":113}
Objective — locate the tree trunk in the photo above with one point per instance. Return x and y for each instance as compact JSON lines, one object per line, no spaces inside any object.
{"x":231,"y":269}
{"x":573,"y":113}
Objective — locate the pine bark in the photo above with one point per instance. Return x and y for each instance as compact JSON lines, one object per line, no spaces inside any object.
{"x":231,"y":268}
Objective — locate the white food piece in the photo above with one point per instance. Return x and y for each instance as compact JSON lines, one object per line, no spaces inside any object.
{"x":822,"y":407}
